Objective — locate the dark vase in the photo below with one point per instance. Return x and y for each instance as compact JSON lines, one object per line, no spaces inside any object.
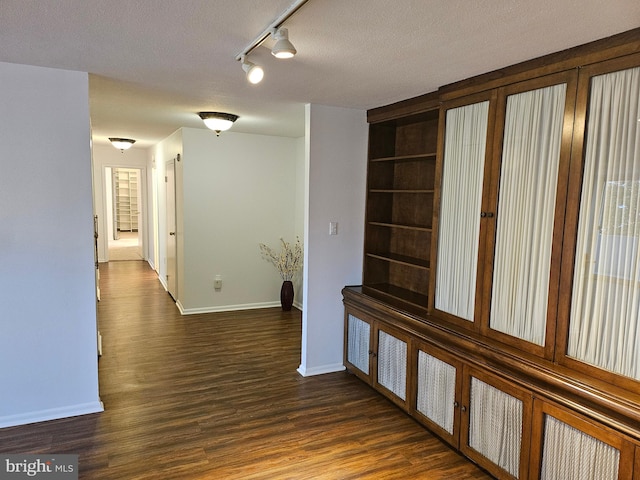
{"x":286,"y":295}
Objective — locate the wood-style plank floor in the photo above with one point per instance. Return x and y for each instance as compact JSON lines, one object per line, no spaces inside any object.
{"x":217,"y":396}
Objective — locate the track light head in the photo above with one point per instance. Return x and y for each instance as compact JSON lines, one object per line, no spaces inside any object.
{"x":254,"y":72}
{"x":283,"y":48}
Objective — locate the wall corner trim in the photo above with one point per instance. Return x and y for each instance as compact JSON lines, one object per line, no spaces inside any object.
{"x":309,"y":372}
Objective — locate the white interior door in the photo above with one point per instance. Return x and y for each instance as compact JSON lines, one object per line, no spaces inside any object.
{"x":170,"y":181}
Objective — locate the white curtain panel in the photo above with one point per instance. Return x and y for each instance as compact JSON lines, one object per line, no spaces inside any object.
{"x":527,"y":201}
{"x":495,"y":425}
{"x":392,"y":364}
{"x":605,"y":310}
{"x":358,"y":343}
{"x":570,"y":454}
{"x":461,"y":199}
{"x":436,"y":390}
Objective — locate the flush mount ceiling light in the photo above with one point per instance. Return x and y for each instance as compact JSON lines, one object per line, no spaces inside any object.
{"x":218,"y":121}
{"x":283,"y":48}
{"x":254,"y":72}
{"x":122,"y":144}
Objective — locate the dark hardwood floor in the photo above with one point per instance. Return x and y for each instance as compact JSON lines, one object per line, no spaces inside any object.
{"x":217,"y":396}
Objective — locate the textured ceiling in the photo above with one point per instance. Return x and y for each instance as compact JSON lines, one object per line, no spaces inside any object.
{"x":155,"y":63}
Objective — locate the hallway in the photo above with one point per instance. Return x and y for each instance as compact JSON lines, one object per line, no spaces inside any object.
{"x":217,"y":396}
{"x":126,"y":247}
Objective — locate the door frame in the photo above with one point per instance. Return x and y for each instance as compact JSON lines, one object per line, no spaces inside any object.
{"x":107,"y":202}
{"x":171,"y":245}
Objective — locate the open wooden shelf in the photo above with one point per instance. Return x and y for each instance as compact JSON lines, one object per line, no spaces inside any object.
{"x":401,"y":259}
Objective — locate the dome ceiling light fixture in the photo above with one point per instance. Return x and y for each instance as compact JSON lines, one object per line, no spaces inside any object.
{"x":282,"y":48}
{"x":122,"y":144}
{"x":218,"y":121}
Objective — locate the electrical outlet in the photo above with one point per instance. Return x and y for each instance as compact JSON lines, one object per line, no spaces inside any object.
{"x":333,"y":228}
{"x":217,"y":282}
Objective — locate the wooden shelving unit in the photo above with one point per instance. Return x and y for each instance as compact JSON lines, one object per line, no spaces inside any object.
{"x":400,"y":191}
{"x":127,"y":209}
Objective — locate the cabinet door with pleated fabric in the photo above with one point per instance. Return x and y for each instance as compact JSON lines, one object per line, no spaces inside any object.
{"x":496,"y":424}
{"x":569,"y":446}
{"x":358,"y":345}
{"x":391,"y":360}
{"x":438,"y":391}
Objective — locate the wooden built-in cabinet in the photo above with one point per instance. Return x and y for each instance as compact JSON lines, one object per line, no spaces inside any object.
{"x":502,"y":181}
{"x":512,"y":417}
{"x":472,"y":410}
{"x":500,"y":302}
{"x":378,"y":354}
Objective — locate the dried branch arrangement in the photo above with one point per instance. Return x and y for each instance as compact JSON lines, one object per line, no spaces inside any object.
{"x":288,"y":260}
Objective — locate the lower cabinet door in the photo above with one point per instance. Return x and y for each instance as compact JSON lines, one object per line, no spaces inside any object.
{"x":438,"y":390}
{"x":496,"y":424}
{"x":571,"y":447}
{"x":358,"y":348}
{"x":391,"y":360}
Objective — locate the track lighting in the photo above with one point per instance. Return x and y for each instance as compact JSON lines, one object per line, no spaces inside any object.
{"x":283,"y":48}
{"x":122,"y":144}
{"x":254,"y":72}
{"x":218,"y":121}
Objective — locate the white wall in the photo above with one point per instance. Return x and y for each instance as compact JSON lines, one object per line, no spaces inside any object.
{"x":48,"y":350}
{"x":336,"y":156}
{"x":108,"y":156}
{"x":233,"y":192}
{"x":239,"y":190}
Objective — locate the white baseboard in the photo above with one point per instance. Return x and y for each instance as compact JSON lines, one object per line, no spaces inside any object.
{"x":163,"y":282}
{"x":309,"y":372}
{"x":227,"y":308}
{"x":51,"y":414}
{"x":180,"y":307}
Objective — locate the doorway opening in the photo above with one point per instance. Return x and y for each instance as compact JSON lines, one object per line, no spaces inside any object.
{"x":125,"y":239}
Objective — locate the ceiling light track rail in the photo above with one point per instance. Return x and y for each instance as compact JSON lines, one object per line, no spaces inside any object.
{"x":271,"y":29}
